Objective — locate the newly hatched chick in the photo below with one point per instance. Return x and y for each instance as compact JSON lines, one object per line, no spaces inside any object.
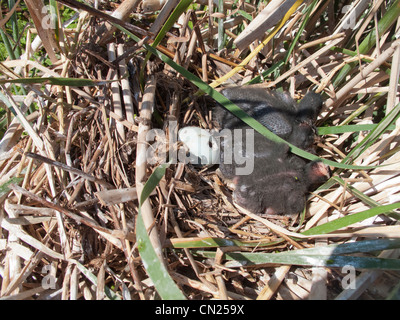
{"x":279,"y":188}
{"x":279,"y":180}
{"x":238,"y":153}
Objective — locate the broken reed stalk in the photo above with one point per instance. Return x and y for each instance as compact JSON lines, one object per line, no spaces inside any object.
{"x":146,"y":110}
{"x":122,"y":13}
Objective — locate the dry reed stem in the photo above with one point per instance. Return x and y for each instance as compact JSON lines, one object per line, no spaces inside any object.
{"x":116,"y":98}
{"x":125,"y":87}
{"x":272,"y":286}
{"x":266,"y":19}
{"x":38,"y":12}
{"x":146,"y":110}
{"x":122,"y":13}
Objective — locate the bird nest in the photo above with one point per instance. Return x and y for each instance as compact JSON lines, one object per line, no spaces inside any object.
{"x":73,"y":154}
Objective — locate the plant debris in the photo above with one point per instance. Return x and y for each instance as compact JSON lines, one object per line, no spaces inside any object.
{"x":86,"y":100}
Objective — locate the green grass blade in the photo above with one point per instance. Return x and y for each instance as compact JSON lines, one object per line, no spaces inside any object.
{"x":350,"y":219}
{"x":350,"y":128}
{"x":334,"y":261}
{"x":245,"y":15}
{"x":153,"y":181}
{"x":176,"y":13}
{"x":352,"y":247}
{"x":240,"y":259}
{"x":7,"y":45}
{"x":54,"y":17}
{"x":326,"y":256}
{"x":213,"y":242}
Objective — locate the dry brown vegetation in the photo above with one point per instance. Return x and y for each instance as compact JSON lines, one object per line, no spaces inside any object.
{"x":72,"y":159}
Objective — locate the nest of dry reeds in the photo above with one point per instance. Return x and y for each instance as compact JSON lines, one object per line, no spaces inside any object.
{"x":79,"y":97}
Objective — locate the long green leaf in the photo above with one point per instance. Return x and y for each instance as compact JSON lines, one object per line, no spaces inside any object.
{"x":326,"y":256}
{"x":335,"y":261}
{"x":350,"y":128}
{"x":351,"y":247}
{"x":7,"y":44}
{"x":213,"y":242}
{"x":153,"y":181}
{"x":350,"y":219}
